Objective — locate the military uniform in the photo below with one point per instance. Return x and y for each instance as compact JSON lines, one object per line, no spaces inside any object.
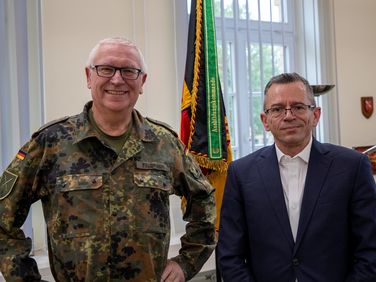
{"x":107,"y":215}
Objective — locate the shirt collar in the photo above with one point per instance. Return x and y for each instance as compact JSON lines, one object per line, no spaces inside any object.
{"x":304,"y":154}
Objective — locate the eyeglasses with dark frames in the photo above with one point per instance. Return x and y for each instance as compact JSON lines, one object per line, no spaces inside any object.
{"x":296,"y":110}
{"x":109,"y":71}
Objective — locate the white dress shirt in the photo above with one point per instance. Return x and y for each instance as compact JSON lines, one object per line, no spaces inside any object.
{"x":293,"y":171}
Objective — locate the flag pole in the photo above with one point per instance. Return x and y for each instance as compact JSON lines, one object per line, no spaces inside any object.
{"x":203,"y":127}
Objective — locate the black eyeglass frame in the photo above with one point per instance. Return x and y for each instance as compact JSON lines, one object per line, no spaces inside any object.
{"x":115,"y":69}
{"x":293,"y":109}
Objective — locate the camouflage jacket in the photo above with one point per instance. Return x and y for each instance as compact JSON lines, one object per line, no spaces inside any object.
{"x":107,"y":215}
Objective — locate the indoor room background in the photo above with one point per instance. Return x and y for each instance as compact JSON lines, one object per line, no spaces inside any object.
{"x":49,"y":41}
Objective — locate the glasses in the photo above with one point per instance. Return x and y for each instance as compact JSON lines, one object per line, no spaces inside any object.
{"x":296,"y":110}
{"x":109,"y":71}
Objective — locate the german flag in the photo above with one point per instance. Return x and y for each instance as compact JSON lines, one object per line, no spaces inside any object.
{"x":204,"y":127}
{"x":21,"y":155}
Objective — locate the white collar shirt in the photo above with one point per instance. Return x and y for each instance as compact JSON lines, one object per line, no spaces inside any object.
{"x":293,"y":171}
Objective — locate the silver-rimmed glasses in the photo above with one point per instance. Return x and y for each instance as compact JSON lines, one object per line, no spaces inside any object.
{"x":296,"y":110}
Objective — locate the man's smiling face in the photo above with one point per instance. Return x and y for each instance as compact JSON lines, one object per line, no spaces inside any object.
{"x":115,"y":94}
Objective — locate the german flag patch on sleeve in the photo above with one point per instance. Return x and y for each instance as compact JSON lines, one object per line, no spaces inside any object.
{"x":21,"y":155}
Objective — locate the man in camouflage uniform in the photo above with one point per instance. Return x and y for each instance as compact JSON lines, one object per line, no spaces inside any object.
{"x":105,"y":177}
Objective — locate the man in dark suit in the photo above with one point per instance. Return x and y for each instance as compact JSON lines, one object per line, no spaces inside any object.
{"x":298,"y":210}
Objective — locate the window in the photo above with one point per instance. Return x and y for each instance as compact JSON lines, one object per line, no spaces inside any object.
{"x":21,"y":75}
{"x":21,"y":99}
{"x":257,"y":39}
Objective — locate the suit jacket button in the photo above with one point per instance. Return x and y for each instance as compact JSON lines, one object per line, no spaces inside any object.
{"x":295,"y":262}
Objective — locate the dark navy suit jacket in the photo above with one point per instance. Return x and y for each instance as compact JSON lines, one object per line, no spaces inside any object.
{"x":336,"y":239}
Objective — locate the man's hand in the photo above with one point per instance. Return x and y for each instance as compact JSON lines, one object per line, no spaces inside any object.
{"x":172,"y":272}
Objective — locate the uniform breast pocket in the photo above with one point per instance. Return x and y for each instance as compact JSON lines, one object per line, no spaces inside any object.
{"x":80,"y":205}
{"x":153,"y":186}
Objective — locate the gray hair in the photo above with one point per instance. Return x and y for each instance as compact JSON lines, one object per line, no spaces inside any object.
{"x":116,"y":40}
{"x":286,"y":78}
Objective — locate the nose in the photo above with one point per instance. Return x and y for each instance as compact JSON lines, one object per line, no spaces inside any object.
{"x":289,"y":113}
{"x":117,"y":78}
{"x":286,"y":111}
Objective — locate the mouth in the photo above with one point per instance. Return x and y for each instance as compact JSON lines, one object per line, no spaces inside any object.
{"x":290,"y":127}
{"x":116,"y":92}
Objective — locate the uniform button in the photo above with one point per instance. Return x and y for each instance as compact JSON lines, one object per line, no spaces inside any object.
{"x":295,"y":261}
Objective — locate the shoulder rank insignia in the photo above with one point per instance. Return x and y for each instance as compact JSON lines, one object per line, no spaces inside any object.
{"x":48,"y":124}
{"x":164,"y":125}
{"x":7,"y":182}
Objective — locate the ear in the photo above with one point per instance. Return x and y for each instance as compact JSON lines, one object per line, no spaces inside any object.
{"x":264,"y":120}
{"x":88,"y":77}
{"x":144,"y":76}
{"x":316,"y":116}
{"x":143,"y":79}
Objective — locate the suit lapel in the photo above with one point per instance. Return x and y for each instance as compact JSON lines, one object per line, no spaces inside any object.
{"x":269,"y":171}
{"x":318,"y":168}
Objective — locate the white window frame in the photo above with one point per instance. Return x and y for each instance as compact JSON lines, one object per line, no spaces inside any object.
{"x":21,"y":89}
{"x":302,"y":31}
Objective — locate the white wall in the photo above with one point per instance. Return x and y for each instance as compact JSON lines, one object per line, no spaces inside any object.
{"x":355,"y":37}
{"x":71,"y":28}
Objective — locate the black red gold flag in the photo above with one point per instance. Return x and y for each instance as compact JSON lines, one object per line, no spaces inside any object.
{"x":204,"y":127}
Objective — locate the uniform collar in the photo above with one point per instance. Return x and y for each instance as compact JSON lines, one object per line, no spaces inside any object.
{"x":140,"y":128}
